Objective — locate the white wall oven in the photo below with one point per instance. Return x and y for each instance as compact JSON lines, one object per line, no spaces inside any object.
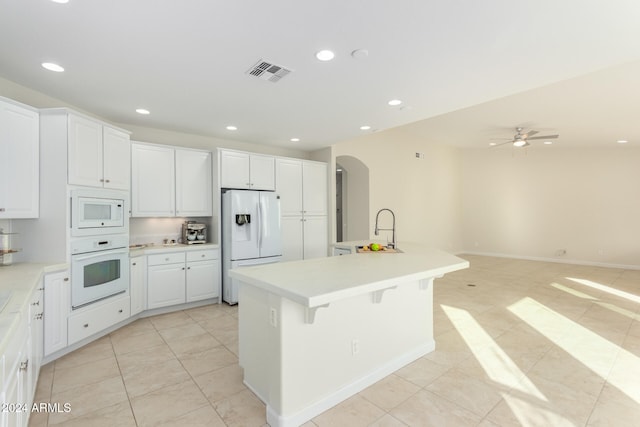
{"x":99,"y":268}
{"x":97,"y":212}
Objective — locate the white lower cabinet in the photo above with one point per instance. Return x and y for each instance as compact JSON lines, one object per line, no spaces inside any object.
{"x":138,"y":284}
{"x":202,"y":275}
{"x":98,"y":317}
{"x":20,"y":364}
{"x":166,"y":283}
{"x":57,"y":304}
{"x":180,"y":277}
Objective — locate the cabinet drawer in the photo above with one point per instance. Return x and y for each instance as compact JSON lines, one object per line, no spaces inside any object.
{"x":202,"y":255}
{"x":170,"y":258}
{"x":96,"y":319}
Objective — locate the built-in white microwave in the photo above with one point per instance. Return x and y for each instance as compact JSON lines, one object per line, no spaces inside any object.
{"x":97,"y":212}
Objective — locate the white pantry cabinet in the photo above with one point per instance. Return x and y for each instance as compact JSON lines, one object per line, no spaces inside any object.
{"x":243,"y":170}
{"x":57,"y":305}
{"x":167,"y":181}
{"x":302,"y":187}
{"x":98,"y":155}
{"x":19,"y":160}
{"x":138,"y":284}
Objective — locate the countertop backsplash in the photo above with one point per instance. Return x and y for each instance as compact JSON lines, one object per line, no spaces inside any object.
{"x":144,"y":231}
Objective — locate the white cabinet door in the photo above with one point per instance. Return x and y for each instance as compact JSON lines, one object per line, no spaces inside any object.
{"x":57,"y":300}
{"x":166,"y":285}
{"x":315,"y":237}
{"x":292,"y":241}
{"x":36,"y":339}
{"x":314,"y":178}
{"x":234,"y":170}
{"x":193,"y":183}
{"x":152,"y":181}
{"x":138,"y":284}
{"x":85,"y":152}
{"x":116,"y":159}
{"x":19,"y":161}
{"x":289,"y":186}
{"x":202,"y":280}
{"x":262,"y":172}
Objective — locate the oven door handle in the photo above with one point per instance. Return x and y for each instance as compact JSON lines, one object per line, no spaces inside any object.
{"x":99,"y":254}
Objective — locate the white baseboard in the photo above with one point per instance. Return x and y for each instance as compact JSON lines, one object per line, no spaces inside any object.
{"x":278,"y":420}
{"x":556,"y":260}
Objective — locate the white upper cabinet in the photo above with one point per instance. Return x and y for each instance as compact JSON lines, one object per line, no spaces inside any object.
{"x":314,"y":179}
{"x":246,"y":171}
{"x":168,"y":181}
{"x":289,"y":186}
{"x":116,"y":152}
{"x":153,"y":192}
{"x":19,"y":161}
{"x":98,"y":155}
{"x":193,"y":183}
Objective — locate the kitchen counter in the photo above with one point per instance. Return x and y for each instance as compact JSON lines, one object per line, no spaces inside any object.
{"x":319,"y":281}
{"x":313,"y":333}
{"x":158,"y":249}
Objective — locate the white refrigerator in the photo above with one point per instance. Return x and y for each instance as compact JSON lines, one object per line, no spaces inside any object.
{"x":251,"y":234}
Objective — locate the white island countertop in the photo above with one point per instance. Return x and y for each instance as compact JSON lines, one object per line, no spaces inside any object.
{"x":320,"y":281}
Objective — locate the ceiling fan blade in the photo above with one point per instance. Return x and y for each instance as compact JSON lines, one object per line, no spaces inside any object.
{"x":502,"y":143}
{"x":530,"y":133}
{"x":545,"y":137}
{"x":500,"y":139}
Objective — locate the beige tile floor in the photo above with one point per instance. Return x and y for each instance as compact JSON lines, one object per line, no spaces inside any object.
{"x":517,"y":343}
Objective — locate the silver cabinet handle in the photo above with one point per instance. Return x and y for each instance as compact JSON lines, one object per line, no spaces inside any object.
{"x":1,"y":209}
{"x":86,"y":325}
{"x":39,"y":316}
{"x":101,"y":180}
{"x":36,"y":303}
{"x":134,"y":263}
{"x":120,"y":311}
{"x":107,"y":180}
{"x":24,"y":365}
{"x":66,"y":279}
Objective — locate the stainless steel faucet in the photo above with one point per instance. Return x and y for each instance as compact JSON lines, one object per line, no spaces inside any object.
{"x":393,"y":235}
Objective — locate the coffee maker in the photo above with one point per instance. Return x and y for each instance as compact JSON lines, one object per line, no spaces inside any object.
{"x":193,"y":233}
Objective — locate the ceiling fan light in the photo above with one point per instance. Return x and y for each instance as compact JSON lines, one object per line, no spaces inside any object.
{"x":519,"y":143}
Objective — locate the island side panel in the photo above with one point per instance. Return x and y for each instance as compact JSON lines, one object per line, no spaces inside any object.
{"x":352,"y":344}
{"x":258,"y":341}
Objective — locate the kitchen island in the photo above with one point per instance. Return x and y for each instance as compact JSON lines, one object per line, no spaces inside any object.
{"x":315,"y":332}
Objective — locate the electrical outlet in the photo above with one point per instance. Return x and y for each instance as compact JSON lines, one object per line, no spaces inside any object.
{"x":355,"y":347}
{"x":273,"y":317}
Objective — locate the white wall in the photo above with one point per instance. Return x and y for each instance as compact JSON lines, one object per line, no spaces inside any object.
{"x":423,"y":193}
{"x":584,"y":201}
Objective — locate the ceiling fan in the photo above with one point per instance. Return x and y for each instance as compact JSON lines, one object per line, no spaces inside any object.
{"x":521,"y":139}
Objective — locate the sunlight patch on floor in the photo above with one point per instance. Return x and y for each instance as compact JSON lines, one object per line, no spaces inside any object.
{"x":584,"y":345}
{"x":572,"y":291}
{"x":524,"y":399}
{"x":607,"y":289}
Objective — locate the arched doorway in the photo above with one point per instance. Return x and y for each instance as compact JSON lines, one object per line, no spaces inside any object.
{"x":352,"y":199}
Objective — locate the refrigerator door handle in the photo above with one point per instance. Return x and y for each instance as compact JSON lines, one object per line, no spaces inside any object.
{"x":260,"y":225}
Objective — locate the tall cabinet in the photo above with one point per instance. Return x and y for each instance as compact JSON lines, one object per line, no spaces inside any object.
{"x":19,"y":160}
{"x":302,"y":186}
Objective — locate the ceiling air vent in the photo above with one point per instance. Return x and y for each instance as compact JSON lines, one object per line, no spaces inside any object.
{"x":268,"y":71}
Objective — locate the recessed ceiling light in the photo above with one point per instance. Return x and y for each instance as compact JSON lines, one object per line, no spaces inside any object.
{"x":295,"y":139}
{"x":360,"y":53}
{"x":52,"y":67}
{"x":232,"y":128}
{"x":394,"y":102}
{"x":548,"y":142}
{"x":325,"y":55}
{"x":492,"y":144}
{"x":142,"y":111}
{"x":622,"y":141}
{"x":365,"y":127}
